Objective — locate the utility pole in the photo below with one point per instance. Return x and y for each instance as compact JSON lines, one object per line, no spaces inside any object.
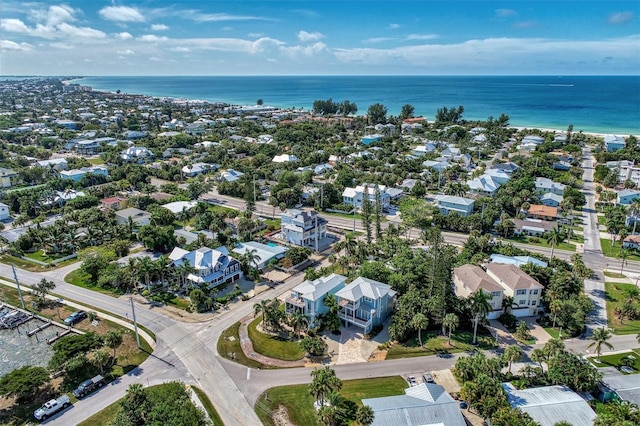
{"x":135,"y":323}
{"x":15,"y":276}
{"x":354,"y":215}
{"x":316,"y":230}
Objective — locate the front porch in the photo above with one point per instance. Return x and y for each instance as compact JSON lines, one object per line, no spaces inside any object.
{"x":353,"y":313}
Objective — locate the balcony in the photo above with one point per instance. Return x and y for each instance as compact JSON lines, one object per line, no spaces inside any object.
{"x":365,"y":324}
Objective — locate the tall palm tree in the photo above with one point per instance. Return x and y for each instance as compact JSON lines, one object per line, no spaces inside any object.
{"x":298,"y":321}
{"x":419,"y":322}
{"x":450,"y":321}
{"x":145,"y":268}
{"x":553,"y":347}
{"x":623,"y":254}
{"x":538,"y":355}
{"x":480,"y":307}
{"x":508,"y":304}
{"x":555,"y":237}
{"x":324,"y":383}
{"x":261,"y":308}
{"x":600,"y":337}
{"x":365,"y":415}
{"x":513,"y":353}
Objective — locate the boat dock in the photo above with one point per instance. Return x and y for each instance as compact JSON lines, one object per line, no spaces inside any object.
{"x":13,"y":318}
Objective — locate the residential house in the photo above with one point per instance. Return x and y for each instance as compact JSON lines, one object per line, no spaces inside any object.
{"x":533,"y":227}
{"x":210,"y":266}
{"x":54,"y":163}
{"x":76,"y":175}
{"x":8,"y":177}
{"x":425,"y":404}
{"x":113,"y":203}
{"x":421,"y":150}
{"x":88,"y":146}
{"x":526,"y":291}
{"x":284,"y":158}
{"x":365,"y":303}
{"x":264,"y":253}
{"x":632,"y":242}
{"x":500,"y":176}
{"x":517,"y":260}
{"x":619,"y":386}
{"x":231,"y":175}
{"x":321,"y":169}
{"x":439,"y":165}
{"x":551,"y":405}
{"x":626,"y":170}
{"x":450,"y":203}
{"x":134,"y":134}
{"x":4,"y":212}
{"x":197,"y":169}
{"x":551,"y":200}
{"x":627,"y":197}
{"x":137,"y":216}
{"x":178,"y":207}
{"x":544,"y":185}
{"x":354,"y":196}
{"x":613,"y":142}
{"x":450,"y":152}
{"x":303,"y":228}
{"x":508,"y":168}
{"x":308,"y":297}
{"x":562,"y":166}
{"x":469,"y":279}
{"x":59,"y":198}
{"x":539,"y":211}
{"x":136,"y":153}
{"x":484,"y":185}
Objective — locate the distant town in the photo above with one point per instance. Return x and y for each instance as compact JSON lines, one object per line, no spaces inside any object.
{"x":336,"y":266}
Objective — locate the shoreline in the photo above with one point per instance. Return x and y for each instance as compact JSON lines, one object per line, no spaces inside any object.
{"x":519,"y":125}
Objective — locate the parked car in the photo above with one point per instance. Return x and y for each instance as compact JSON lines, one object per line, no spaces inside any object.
{"x":464,"y":405}
{"x":51,"y":407}
{"x":627,"y":369}
{"x":75,"y":317}
{"x":428,"y":378}
{"x":412,"y":381}
{"x":88,"y":386}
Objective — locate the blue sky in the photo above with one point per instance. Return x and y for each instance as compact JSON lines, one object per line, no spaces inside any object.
{"x":95,"y":37}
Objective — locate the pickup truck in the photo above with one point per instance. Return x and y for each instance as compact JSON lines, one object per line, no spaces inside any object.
{"x":88,"y":386}
{"x":51,"y":407}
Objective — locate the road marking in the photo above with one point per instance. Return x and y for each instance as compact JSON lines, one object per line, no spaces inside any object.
{"x":248,"y":373}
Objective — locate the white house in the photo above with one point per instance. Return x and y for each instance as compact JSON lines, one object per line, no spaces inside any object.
{"x":450,"y":203}
{"x":354,"y":196}
{"x":303,"y":228}
{"x":284,"y":158}
{"x":484,"y":184}
{"x":264,"y":253}
{"x":214,"y":267}
{"x":137,"y":216}
{"x":544,"y":185}
{"x":136,"y":153}
{"x":469,"y":279}
{"x":55,"y":163}
{"x":526,"y":291}
{"x":231,"y":175}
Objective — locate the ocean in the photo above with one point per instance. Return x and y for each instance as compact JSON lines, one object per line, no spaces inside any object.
{"x":600,"y":104}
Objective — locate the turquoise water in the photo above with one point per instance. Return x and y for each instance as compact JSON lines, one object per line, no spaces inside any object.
{"x":272,"y":244}
{"x":606,"y":104}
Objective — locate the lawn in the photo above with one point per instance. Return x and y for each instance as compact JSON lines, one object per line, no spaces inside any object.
{"x":541,"y":242}
{"x":555,"y":332}
{"x":614,"y":360}
{"x":614,"y":274}
{"x":95,"y":161}
{"x":211,"y":410}
{"x":273,"y":346}
{"x":602,"y":220}
{"x":615,"y":293}
{"x":434,"y":344}
{"x":229,"y":347}
{"x":607,"y":250}
{"x":39,"y":255}
{"x":80,"y":279}
{"x":299,"y":403}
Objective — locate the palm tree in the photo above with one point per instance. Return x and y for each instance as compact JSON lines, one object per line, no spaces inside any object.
{"x":450,"y":321}
{"x":623,"y":254}
{"x":480,"y":307}
{"x":538,"y":355}
{"x":365,"y":415}
{"x":113,"y":339}
{"x":100,"y":359}
{"x":555,"y":237}
{"x":261,"y":307}
{"x":508,"y":304}
{"x":420,"y":322}
{"x":251,"y":258}
{"x":600,"y":337}
{"x":298,"y":321}
{"x":556,"y":306}
{"x":513,"y":353}
{"x":324,"y":383}
{"x":553,"y":347}
{"x":145,"y":267}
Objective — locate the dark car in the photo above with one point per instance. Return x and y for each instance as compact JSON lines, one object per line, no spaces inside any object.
{"x":89,"y":386}
{"x":75,"y":317}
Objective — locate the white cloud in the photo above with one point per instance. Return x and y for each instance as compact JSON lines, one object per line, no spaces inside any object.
{"x":121,"y":14}
{"x":126,"y":52}
{"x":124,"y":36}
{"x":309,"y":50}
{"x":13,"y":26}
{"x":220,"y":17}
{"x":374,"y":40}
{"x":54,"y":15}
{"x":421,"y":37}
{"x":159,"y":27}
{"x":152,"y":37}
{"x":394,"y":26}
{"x":180,"y":49}
{"x":79,"y":32}
{"x":17,"y":47}
{"x":306,"y":37}
{"x":255,"y":35}
{"x":506,"y":13}
{"x":620,"y":17}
